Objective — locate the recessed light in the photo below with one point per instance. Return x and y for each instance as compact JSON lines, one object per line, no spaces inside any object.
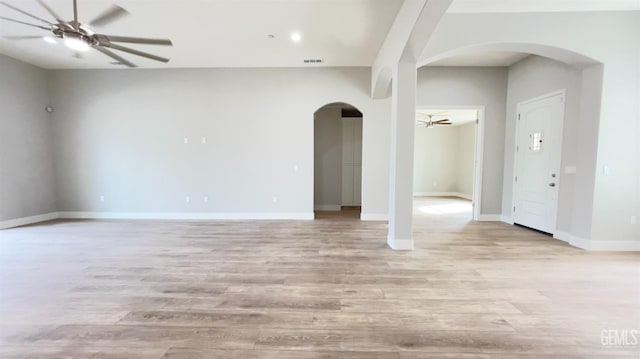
{"x":271,"y":36}
{"x":49,"y":39}
{"x":296,"y":37}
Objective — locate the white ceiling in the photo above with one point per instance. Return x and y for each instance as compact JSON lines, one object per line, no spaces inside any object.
{"x":218,"y":33}
{"x":496,"y":58}
{"x":456,"y":116}
{"x":234,"y":33}
{"x":479,"y":6}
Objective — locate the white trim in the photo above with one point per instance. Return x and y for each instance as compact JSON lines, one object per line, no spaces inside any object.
{"x":327,"y":207}
{"x":443,"y":194}
{"x":490,"y":218}
{"x":187,"y":215}
{"x":17,"y":222}
{"x":614,"y":246}
{"x":507,"y":219}
{"x":478,"y":164}
{"x":400,"y":244}
{"x":542,"y":97}
{"x":572,"y":240}
{"x":618,"y":246}
{"x":374,"y":217}
{"x":478,"y":155}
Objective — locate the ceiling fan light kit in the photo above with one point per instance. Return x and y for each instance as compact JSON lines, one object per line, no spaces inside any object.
{"x":76,"y":42}
{"x":82,"y":38}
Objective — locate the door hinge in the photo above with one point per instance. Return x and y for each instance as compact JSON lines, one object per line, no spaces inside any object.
{"x":477,"y":121}
{"x":514,"y":208}
{"x":517,"y":148}
{"x":518,"y":117}
{"x":516,"y":178}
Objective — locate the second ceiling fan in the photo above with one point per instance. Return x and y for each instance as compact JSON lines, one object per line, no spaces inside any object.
{"x":428,"y":121}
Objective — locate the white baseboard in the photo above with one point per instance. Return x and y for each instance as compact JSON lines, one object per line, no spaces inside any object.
{"x":187,"y":216}
{"x":400,"y":244}
{"x":617,"y":246}
{"x":327,"y":207}
{"x":507,"y":219}
{"x":490,"y":218}
{"x":613,"y":246}
{"x":374,"y":217}
{"x":17,"y":222}
{"x":572,"y":240}
{"x":443,"y":194}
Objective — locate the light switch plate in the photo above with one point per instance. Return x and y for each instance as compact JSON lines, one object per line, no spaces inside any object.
{"x":570,"y":170}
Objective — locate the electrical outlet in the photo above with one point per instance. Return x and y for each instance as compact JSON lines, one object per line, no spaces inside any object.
{"x":187,"y":199}
{"x":275,"y":199}
{"x":186,"y":141}
{"x":204,"y":140}
{"x":205,"y":199}
{"x":101,"y":198}
{"x":634,"y":220}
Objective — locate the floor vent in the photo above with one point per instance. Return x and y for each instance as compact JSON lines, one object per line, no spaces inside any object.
{"x":313,"y":61}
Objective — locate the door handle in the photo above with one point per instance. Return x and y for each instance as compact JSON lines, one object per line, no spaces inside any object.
{"x":552,"y":184}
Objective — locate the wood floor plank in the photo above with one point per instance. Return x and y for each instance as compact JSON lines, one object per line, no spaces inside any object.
{"x":329,"y":288}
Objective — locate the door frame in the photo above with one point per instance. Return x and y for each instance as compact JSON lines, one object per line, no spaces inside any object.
{"x":478,"y":155}
{"x":563,"y":93}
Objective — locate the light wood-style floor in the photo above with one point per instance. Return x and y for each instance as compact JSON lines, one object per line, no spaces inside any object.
{"x":329,"y":288}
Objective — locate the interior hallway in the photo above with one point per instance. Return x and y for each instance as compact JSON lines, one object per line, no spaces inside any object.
{"x":308,"y":289}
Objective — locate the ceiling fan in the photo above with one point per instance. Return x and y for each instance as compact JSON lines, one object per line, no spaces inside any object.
{"x":81,"y":37}
{"x":431,"y":123}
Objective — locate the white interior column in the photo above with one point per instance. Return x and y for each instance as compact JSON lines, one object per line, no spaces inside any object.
{"x":403,"y":108}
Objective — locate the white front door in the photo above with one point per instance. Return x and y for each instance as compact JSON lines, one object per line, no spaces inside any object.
{"x":538,"y":153}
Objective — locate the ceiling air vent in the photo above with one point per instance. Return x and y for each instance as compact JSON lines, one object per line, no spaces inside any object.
{"x":313,"y":61}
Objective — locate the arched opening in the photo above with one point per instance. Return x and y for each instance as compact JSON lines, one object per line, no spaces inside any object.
{"x":531,"y":73}
{"x":337,"y":190}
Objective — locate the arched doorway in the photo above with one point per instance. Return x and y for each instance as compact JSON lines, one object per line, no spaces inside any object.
{"x":338,"y":161}
{"x":538,"y":71}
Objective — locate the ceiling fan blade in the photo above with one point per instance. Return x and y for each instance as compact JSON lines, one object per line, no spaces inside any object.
{"x":25,"y":13}
{"x":114,"y":56}
{"x":443,"y":123}
{"x":110,"y":15}
{"x":439,"y":121}
{"x":138,"y":40}
{"x":22,"y":37}
{"x":49,"y":10}
{"x":136,"y":52}
{"x":25,"y":23}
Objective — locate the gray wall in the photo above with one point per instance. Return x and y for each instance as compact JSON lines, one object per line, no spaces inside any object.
{"x":469,"y":86}
{"x":435,"y":160}
{"x":536,"y":76}
{"x":328,"y":158}
{"x":120,"y":134}
{"x":26,"y":163}
{"x":466,"y":157}
{"x":443,"y":159}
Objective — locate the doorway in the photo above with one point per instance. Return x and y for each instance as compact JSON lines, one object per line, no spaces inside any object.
{"x":338,"y":161}
{"x":538,"y":155}
{"x":448,"y":156}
